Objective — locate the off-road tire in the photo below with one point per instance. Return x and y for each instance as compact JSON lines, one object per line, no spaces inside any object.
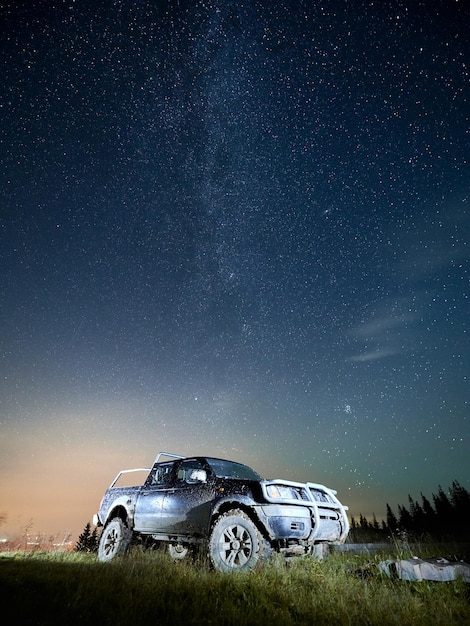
{"x":114,"y":540}
{"x":236,"y":544}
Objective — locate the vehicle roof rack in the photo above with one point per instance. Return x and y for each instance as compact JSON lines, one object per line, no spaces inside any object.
{"x":173,"y":456}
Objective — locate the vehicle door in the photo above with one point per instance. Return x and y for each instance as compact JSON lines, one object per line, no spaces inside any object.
{"x":150,"y":514}
{"x":188,"y":503}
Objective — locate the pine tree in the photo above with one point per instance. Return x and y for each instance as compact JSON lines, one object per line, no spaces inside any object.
{"x":405,"y":521}
{"x":444,"y":512}
{"x":88,"y":540}
{"x":429,"y":515}
{"x":417,"y":516}
{"x":83,"y":539}
{"x":363,"y":523}
{"x":94,"y":540}
{"x":460,"y":500}
{"x":392,"y":523}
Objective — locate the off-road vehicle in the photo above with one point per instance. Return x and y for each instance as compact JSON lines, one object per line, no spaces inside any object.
{"x":223,"y":507}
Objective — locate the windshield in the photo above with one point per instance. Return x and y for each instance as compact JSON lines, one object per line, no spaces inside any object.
{"x":229,"y":469}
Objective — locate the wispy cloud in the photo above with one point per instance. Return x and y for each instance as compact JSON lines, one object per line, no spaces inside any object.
{"x":384,"y":330}
{"x":379,"y":326}
{"x":374,"y":355}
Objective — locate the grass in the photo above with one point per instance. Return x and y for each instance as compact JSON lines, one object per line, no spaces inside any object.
{"x":149,"y":588}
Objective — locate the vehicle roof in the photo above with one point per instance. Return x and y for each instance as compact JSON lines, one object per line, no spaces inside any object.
{"x":175,"y":458}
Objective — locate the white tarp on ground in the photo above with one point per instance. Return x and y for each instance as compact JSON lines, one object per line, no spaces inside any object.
{"x":429,"y":569}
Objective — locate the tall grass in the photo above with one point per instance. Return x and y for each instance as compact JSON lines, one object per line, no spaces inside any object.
{"x":149,"y":588}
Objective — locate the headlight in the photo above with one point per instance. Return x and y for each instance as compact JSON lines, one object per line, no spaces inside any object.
{"x":280,"y":492}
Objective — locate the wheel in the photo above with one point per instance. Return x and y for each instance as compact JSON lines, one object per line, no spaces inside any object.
{"x":177,"y":551}
{"x":235,"y":544}
{"x":114,"y":541}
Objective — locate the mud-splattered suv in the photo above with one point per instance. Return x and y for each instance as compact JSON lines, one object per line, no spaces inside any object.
{"x":222,"y":506}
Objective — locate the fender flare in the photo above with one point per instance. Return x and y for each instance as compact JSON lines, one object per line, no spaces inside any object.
{"x":120,"y":508}
{"x":244,"y":503}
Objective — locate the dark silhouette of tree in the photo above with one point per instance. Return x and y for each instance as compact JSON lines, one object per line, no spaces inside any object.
{"x":88,"y":540}
{"x":392,"y":522}
{"x":460,"y":500}
{"x":442,"y":504}
{"x":405,"y":521}
{"x":94,"y":540}
{"x":459,"y":497}
{"x":430,"y":525}
{"x":417,"y":516}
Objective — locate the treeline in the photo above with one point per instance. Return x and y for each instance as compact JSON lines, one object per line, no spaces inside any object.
{"x":447,"y":517}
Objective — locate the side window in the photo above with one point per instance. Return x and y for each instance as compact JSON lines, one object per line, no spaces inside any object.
{"x":191,"y":472}
{"x":162,"y":475}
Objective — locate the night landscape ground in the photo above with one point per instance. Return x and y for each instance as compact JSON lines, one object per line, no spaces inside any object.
{"x":45,"y":589}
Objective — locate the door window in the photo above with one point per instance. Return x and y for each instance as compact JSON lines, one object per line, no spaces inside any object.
{"x":191,"y":472}
{"x":162,"y":475}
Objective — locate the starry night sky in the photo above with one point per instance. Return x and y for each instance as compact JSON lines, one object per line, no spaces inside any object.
{"x":238,"y":229}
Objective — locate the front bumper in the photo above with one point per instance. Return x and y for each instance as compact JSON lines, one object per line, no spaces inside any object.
{"x":311,"y":511}
{"x":286,"y":522}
